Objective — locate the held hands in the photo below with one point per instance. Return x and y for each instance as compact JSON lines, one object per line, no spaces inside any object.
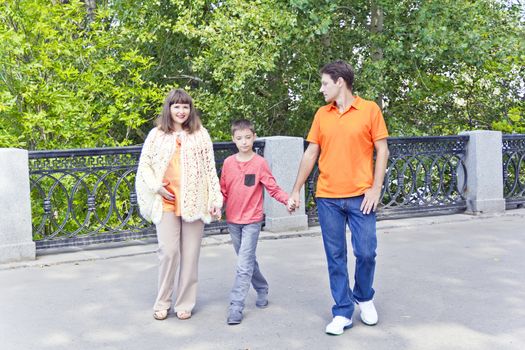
{"x":216,"y":213}
{"x":370,"y":201}
{"x":293,"y":202}
{"x":290,"y":206}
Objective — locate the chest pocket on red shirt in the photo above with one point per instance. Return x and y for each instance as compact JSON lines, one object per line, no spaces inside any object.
{"x":249,"y":180}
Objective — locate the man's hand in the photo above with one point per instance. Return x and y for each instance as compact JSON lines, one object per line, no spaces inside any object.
{"x":372,"y":195}
{"x":370,"y":201}
{"x":290,"y":205}
{"x":294,"y":196}
{"x":305,"y":168}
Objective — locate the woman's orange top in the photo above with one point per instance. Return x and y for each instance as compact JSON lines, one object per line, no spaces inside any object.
{"x":173,"y":177}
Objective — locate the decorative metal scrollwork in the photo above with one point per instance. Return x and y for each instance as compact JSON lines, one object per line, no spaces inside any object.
{"x":424,"y":174}
{"x":87,"y":196}
{"x":514,"y":170}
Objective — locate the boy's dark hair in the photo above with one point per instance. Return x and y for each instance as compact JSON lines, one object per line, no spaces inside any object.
{"x":165,"y":122}
{"x":242,"y":124}
{"x":340,"y":69}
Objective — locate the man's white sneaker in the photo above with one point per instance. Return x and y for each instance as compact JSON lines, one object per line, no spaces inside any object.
{"x":338,"y":325}
{"x":368,"y":312}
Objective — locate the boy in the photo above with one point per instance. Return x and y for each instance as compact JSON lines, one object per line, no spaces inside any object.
{"x":242,"y":179}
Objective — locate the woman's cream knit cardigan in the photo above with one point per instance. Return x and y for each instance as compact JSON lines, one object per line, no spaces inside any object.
{"x":200,"y":189}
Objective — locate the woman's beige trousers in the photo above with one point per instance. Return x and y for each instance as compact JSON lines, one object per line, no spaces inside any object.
{"x":179,"y":249}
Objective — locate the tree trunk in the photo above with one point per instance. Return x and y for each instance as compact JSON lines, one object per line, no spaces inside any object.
{"x":376,"y":27}
{"x":91,"y":6}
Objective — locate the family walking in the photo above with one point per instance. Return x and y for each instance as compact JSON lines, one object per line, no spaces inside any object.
{"x":179,"y":191}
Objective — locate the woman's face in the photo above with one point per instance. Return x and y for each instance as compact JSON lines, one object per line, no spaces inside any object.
{"x":180,"y":112}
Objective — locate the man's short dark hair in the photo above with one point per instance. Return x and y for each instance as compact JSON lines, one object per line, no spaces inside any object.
{"x":340,"y":69}
{"x":242,"y":124}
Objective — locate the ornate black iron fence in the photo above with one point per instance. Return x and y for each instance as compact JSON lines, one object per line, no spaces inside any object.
{"x":514,"y":170}
{"x":424,"y":174}
{"x":86,"y":196}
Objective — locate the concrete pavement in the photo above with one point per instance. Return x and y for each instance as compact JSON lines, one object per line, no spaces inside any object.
{"x":448,"y":282}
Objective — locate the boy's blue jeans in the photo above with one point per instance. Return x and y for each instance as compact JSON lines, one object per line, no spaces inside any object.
{"x":334,"y":214}
{"x":244,"y":239}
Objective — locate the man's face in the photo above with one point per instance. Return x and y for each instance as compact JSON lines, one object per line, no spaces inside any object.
{"x":244,"y":140}
{"x":329,"y":88}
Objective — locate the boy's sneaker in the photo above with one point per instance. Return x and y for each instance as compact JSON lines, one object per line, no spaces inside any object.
{"x":338,"y":325}
{"x":368,"y":313}
{"x":234,"y":316}
{"x":262,"y":300}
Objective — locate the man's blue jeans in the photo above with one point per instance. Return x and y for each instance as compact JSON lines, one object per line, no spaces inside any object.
{"x":334,"y":214}
{"x":244,"y":239}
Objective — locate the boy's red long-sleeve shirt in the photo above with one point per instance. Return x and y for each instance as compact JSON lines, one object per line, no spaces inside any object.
{"x":242,"y":187}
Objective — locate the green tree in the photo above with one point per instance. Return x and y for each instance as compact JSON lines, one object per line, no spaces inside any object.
{"x":68,"y":78}
{"x":80,"y":74}
{"x":451,"y":65}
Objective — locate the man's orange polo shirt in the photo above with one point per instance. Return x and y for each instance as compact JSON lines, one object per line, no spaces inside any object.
{"x":346,"y":167}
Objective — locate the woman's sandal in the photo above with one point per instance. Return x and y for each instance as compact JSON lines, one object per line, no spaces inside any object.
{"x":160,"y":315}
{"x":183,"y":315}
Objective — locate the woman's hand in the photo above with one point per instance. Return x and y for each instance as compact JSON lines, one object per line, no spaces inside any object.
{"x":216,"y":212}
{"x":165,"y":193}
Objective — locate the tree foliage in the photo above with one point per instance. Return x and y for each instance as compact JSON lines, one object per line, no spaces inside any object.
{"x":68,"y":81}
{"x":453,"y":65}
{"x":77,"y":76}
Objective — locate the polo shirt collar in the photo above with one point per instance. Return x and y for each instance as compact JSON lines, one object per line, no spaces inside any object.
{"x":356,"y":104}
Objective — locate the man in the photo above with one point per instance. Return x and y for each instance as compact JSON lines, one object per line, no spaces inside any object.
{"x":343,"y":135}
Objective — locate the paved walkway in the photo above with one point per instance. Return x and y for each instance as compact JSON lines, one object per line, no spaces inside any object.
{"x":449,"y":282}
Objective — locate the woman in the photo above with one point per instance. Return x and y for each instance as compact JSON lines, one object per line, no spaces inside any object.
{"x":178,"y":190}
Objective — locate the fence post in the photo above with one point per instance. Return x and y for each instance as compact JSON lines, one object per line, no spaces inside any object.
{"x":484,"y":162}
{"x":283,"y":155}
{"x":16,"y":240}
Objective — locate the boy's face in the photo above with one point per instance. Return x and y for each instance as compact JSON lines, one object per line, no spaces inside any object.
{"x":243,"y":139}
